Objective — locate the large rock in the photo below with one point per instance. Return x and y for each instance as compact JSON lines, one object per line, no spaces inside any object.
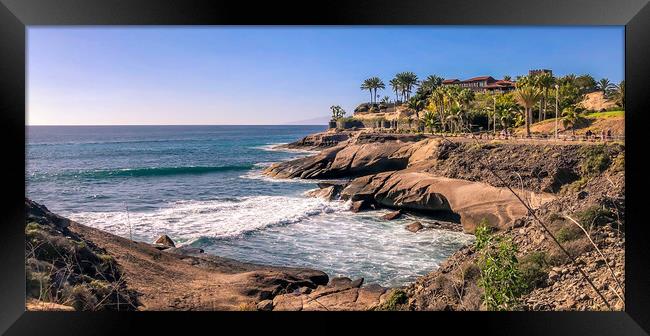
{"x":367,"y":154}
{"x":471,"y":201}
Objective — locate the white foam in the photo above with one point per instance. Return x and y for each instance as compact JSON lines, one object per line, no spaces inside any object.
{"x":275,"y":147}
{"x":186,"y":221}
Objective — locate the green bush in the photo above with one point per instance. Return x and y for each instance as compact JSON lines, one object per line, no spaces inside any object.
{"x":566,"y":234}
{"x":394,"y":300}
{"x":483,"y":234}
{"x":501,"y":278}
{"x":533,"y":269}
{"x":594,"y":216}
{"x":595,"y":160}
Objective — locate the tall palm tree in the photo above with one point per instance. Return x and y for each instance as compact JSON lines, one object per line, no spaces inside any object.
{"x":544,"y":81}
{"x":437,"y":99}
{"x":605,"y":85}
{"x":430,"y":83}
{"x":619,"y":94}
{"x":527,"y":96}
{"x":507,"y":78}
{"x":397,"y":87}
{"x":372,"y":84}
{"x":408,"y":80}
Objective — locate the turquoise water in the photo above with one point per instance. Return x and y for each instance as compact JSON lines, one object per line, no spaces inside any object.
{"x":202,"y":186}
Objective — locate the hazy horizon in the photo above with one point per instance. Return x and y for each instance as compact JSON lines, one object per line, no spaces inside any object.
{"x":139,"y":76}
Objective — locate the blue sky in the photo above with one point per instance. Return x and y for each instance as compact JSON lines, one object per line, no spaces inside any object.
{"x":273,"y":75}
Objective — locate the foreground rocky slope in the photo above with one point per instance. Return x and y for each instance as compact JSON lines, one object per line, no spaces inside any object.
{"x":74,"y":267}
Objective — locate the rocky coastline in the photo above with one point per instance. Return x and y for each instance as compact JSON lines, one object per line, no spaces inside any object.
{"x":448,"y":178}
{"x":432,"y":176}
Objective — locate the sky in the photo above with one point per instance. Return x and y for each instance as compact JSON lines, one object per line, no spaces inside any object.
{"x":274,"y":75}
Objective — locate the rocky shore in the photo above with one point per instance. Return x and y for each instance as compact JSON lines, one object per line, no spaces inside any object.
{"x":71,"y":266}
{"x":467,"y":181}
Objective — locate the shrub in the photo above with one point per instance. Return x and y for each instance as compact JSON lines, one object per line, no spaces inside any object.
{"x":395,"y":299}
{"x":618,"y":164}
{"x":500,"y":276}
{"x":533,"y":268}
{"x":594,"y":216}
{"x":80,"y":297}
{"x":566,"y":234}
{"x":595,"y":160}
{"x":483,"y":234}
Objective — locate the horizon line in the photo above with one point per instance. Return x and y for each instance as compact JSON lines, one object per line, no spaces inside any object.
{"x":178,"y":125}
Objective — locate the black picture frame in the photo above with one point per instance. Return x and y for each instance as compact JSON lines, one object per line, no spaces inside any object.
{"x":17,"y":15}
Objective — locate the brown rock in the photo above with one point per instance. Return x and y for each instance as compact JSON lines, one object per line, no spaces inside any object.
{"x":392,"y":215}
{"x":165,"y":241}
{"x":265,"y":305}
{"x":359,"y":206}
{"x":414,"y":227}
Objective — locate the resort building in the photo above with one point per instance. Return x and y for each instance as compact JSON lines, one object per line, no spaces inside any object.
{"x":482,"y":84}
{"x":539,"y":71}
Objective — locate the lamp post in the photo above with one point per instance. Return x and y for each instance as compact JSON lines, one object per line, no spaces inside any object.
{"x":494,"y":114}
{"x":557,"y":95}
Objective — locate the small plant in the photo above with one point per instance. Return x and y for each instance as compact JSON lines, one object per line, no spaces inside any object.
{"x":483,"y":234}
{"x":566,"y":234}
{"x":593,"y":216}
{"x":394,"y":300}
{"x":533,"y":268}
{"x":555,"y":217}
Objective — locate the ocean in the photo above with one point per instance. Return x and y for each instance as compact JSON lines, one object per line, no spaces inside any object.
{"x":202,"y":186}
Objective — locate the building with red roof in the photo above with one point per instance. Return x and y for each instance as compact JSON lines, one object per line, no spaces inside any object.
{"x":482,"y":84}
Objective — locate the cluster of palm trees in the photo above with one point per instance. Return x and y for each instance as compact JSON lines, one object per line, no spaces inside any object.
{"x":449,"y":108}
{"x":402,"y":84}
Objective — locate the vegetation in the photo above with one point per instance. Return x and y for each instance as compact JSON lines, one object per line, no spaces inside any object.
{"x":595,"y":160}
{"x":394,"y":300}
{"x":337,"y":112}
{"x":534,"y":270}
{"x":372,"y":84}
{"x":501,"y":277}
{"x":459,"y":109}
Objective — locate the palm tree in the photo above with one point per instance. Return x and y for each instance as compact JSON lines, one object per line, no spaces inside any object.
{"x":397,"y":87}
{"x":544,"y":81}
{"x":527,"y":96}
{"x":430,"y":83}
{"x":372,"y":84}
{"x":605,"y":85}
{"x":416,"y":105}
{"x":408,"y":81}
{"x":619,"y":94}
{"x":507,"y":78}
{"x":569,"y":118}
{"x":430,"y":120}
